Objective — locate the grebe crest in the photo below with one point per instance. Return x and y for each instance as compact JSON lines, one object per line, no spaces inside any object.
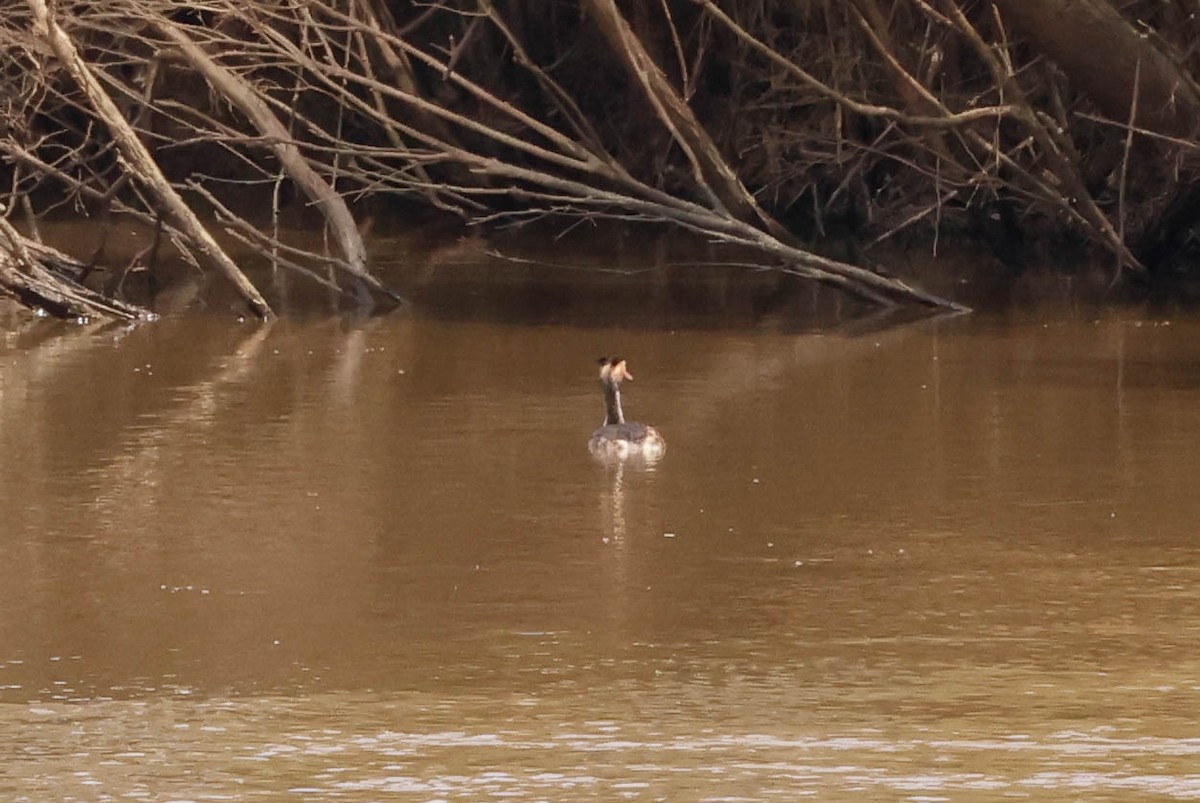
{"x":616,"y":437}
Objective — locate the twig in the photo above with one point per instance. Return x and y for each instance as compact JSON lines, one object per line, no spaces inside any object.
{"x":1133,"y":104}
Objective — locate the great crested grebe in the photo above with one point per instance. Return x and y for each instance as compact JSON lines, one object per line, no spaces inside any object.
{"x":617,"y":437}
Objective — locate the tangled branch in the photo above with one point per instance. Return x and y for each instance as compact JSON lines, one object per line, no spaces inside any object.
{"x":759,"y":127}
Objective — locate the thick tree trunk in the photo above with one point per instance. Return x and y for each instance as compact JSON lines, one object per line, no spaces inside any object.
{"x":1101,"y":53}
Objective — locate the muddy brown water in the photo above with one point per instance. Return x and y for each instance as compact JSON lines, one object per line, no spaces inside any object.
{"x":956,"y":560}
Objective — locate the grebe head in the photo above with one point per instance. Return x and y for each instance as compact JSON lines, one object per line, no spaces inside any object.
{"x":614,"y":370}
{"x":619,"y":370}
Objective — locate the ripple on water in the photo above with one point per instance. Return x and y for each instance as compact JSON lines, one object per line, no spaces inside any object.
{"x":334,"y":744}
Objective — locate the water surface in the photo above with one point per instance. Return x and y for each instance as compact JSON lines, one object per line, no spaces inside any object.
{"x":953,"y":560}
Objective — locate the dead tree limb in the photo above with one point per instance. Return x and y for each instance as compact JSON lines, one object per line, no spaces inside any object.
{"x":859,"y":120}
{"x":1053,"y":144}
{"x":331,"y":204}
{"x":594,"y":187}
{"x":140,"y":160}
{"x":44,"y":278}
{"x":712,"y":173}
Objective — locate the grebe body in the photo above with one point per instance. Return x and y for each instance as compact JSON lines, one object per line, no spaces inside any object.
{"x":617,"y":437}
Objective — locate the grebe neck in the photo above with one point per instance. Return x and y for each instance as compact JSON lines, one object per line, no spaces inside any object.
{"x":612,"y":404}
